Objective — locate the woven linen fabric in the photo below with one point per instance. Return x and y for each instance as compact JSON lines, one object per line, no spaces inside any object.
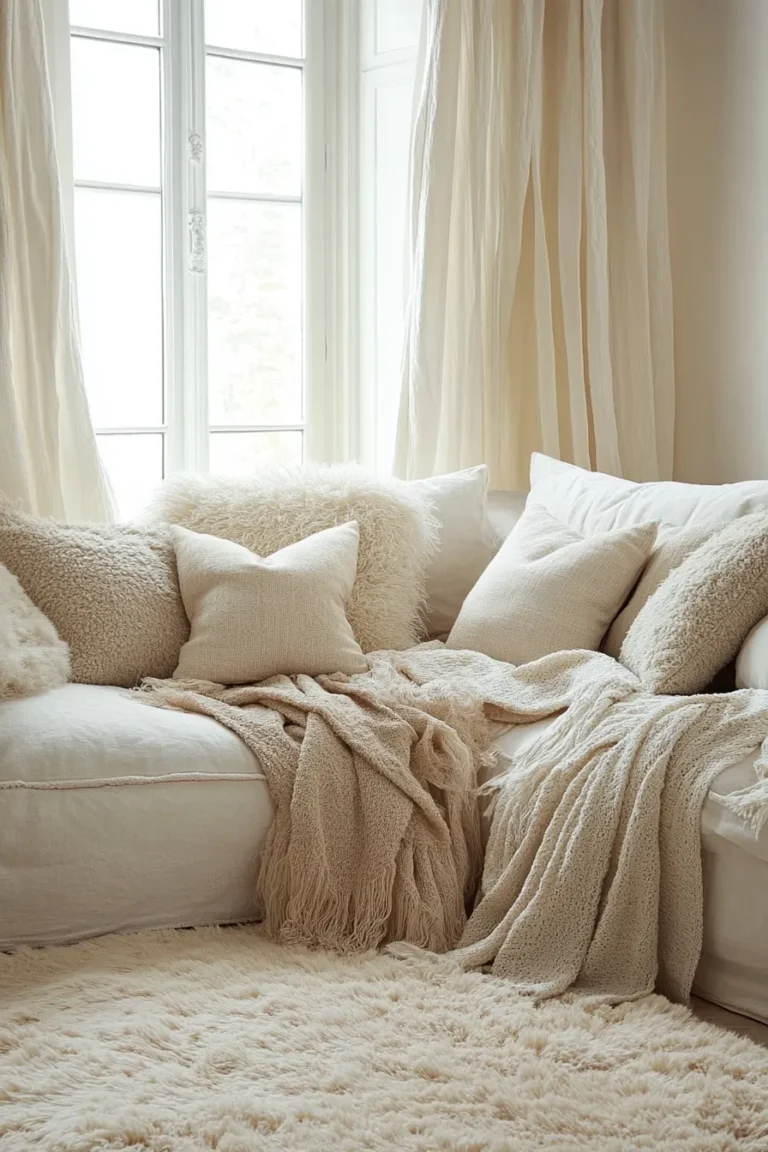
{"x":549,"y":589}
{"x":32,"y":656}
{"x":700,"y":616}
{"x":255,"y":617}
{"x":110,"y":591}
{"x":279,"y":506}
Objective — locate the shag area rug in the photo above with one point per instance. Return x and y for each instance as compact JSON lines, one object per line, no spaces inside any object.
{"x":220,"y":1039}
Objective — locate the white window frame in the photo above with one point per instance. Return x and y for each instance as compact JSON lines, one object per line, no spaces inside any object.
{"x":329,"y":417}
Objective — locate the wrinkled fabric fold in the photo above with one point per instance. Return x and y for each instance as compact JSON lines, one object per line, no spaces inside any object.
{"x":49,"y":461}
{"x":591,"y":882}
{"x":539,"y":315}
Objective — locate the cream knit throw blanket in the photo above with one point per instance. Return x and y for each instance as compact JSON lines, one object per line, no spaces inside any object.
{"x":592,"y":878}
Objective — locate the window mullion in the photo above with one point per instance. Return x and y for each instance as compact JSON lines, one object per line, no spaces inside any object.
{"x":189,"y":50}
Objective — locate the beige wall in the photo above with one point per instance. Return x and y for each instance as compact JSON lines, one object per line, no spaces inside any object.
{"x":717,"y":69}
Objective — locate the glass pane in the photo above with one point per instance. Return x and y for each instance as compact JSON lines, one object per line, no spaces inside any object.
{"x":254,"y":312}
{"x":255,"y":128}
{"x":134,"y":465}
{"x":241,"y":453}
{"x":118,"y":250}
{"x":137,"y":16}
{"x":116,"y":112}
{"x":269,"y":26}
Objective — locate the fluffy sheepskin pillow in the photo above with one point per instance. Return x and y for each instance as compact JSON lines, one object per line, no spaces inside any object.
{"x":278,"y":507}
{"x":110,"y":591}
{"x":32,"y":657}
{"x":254,"y":617}
{"x":698,"y":618}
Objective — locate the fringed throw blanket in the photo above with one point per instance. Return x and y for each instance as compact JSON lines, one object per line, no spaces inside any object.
{"x":592,"y":877}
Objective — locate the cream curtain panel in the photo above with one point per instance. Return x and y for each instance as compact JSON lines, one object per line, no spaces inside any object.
{"x":540,"y":306}
{"x":49,"y":461}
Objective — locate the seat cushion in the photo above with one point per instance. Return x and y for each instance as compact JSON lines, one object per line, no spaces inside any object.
{"x":115,"y":815}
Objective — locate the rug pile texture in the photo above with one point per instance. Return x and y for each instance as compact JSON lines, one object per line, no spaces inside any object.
{"x":221,"y":1039}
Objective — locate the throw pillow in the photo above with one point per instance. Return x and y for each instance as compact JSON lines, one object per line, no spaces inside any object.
{"x":696,"y":621}
{"x":254,"y":617}
{"x":467,"y":542}
{"x":549,"y":589}
{"x":32,"y":657}
{"x":673,"y":545}
{"x":110,"y":591}
{"x":594,"y":502}
{"x":280,"y":506}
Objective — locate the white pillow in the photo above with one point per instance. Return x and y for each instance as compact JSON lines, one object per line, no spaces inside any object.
{"x":255,"y":617}
{"x":467,"y":541}
{"x":752,"y":664}
{"x":549,"y":589}
{"x":594,"y":502}
{"x":32,"y":656}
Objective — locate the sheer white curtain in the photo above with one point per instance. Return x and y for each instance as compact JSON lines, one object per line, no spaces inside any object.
{"x":49,"y":461}
{"x":540,"y":307}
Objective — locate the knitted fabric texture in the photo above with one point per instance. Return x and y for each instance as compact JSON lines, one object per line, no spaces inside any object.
{"x":698,"y":618}
{"x":280,"y":506}
{"x":110,"y":590}
{"x":32,"y":657}
{"x":592,"y":877}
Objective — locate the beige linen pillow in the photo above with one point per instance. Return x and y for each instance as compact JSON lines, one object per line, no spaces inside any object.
{"x":110,"y":591}
{"x":32,"y":657}
{"x":698,"y":618}
{"x":549,"y":589}
{"x":254,"y":617}
{"x":673,"y":545}
{"x":279,"y":506}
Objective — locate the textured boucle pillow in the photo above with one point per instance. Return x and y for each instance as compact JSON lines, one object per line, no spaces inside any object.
{"x":280,"y":506}
{"x":698,"y":618}
{"x":673,"y":546}
{"x":110,"y":590}
{"x":32,"y":656}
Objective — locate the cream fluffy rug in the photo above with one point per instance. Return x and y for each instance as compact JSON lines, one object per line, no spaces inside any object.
{"x":219,"y":1039}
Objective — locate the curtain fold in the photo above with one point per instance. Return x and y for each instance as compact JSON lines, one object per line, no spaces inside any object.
{"x":49,"y":460}
{"x":540,"y":305}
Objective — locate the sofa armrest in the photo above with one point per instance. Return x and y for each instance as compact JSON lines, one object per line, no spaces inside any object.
{"x":752,"y":661}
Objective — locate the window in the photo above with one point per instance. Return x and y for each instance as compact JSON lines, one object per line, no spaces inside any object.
{"x":198,"y":149}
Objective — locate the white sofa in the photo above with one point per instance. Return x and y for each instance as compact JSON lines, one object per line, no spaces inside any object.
{"x":116,"y":816}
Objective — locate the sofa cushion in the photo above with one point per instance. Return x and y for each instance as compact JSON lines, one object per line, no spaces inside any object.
{"x":279,"y":506}
{"x":116,"y":816}
{"x":254,"y":617}
{"x":32,"y":657}
{"x":550,"y":589}
{"x":110,"y":590}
